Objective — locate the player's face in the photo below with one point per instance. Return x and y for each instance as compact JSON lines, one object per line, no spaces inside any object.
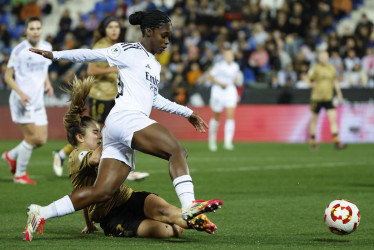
{"x":229,"y":56}
{"x":33,"y":32}
{"x":112,"y":31}
{"x":160,"y":38}
{"x":323,"y":57}
{"x":92,"y":138}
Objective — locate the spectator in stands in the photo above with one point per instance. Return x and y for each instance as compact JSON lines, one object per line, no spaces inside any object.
{"x":137,"y":5}
{"x":65,"y":21}
{"x":259,"y":35}
{"x":324,"y":15}
{"x":351,"y":60}
{"x":258,"y":58}
{"x":363,"y":22}
{"x":285,"y":78}
{"x":341,"y":8}
{"x":362,"y":37}
{"x":281,"y":24}
{"x":16,"y":9}
{"x":31,"y":9}
{"x":193,"y":73}
{"x":120,"y":9}
{"x":4,"y":37}
{"x":178,"y":17}
{"x":368,"y":66}
{"x":91,"y":23}
{"x":357,"y":77}
{"x":179,"y":89}
{"x":81,"y":34}
{"x":337,"y":61}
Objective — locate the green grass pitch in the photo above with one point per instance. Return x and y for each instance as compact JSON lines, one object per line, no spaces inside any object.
{"x":274,"y":196}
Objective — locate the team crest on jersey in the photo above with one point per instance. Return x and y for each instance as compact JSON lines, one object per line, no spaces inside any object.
{"x":114,"y":51}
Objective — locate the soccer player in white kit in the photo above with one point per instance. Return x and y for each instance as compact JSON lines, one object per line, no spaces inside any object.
{"x":224,"y":95}
{"x":128,"y":127}
{"x":27,"y":75}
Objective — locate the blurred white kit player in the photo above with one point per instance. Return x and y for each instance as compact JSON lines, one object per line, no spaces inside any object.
{"x":27,"y":75}
{"x":225,"y":76}
{"x":30,"y":71}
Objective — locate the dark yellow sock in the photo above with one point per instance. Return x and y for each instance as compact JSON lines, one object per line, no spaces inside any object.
{"x":68,"y":148}
{"x":336,"y":138}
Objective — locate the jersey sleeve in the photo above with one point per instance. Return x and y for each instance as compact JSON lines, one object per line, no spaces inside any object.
{"x":164,"y":104}
{"x":81,"y":55}
{"x":117,"y":56}
{"x":12,"y":61}
{"x":312,"y":73}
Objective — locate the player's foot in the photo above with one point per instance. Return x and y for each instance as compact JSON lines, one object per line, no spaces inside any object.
{"x":314,"y":147}
{"x":137,"y":176}
{"x":212,"y":146}
{"x":58,"y":162}
{"x":34,"y":222}
{"x":202,"y":223}
{"x":228,"y":146}
{"x":24,"y":179}
{"x":11,"y":163}
{"x":340,"y":145}
{"x":199,"y":207}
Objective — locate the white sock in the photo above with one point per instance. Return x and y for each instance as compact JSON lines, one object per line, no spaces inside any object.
{"x":13,"y":153}
{"x":213,"y":127}
{"x":184,"y":188}
{"x":229,"y":131}
{"x":58,"y":208}
{"x":23,"y":158}
{"x":62,"y":154}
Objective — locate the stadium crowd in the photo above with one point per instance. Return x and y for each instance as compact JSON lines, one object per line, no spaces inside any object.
{"x":274,"y":41}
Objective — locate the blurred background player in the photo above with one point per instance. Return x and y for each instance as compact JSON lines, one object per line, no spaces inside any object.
{"x":103,"y":91}
{"x":323,"y":80}
{"x":128,"y":213}
{"x":27,"y":76}
{"x":224,"y":77}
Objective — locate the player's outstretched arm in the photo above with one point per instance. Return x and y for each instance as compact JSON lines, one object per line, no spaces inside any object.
{"x":198,"y":122}
{"x":46,"y":54}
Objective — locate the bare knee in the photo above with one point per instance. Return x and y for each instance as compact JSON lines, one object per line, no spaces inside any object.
{"x":38,"y":141}
{"x":181,"y":151}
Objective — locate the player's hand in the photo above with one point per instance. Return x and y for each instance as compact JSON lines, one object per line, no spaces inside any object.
{"x":340,"y":99}
{"x":197,"y":122}
{"x":90,"y":229}
{"x":24,"y":99}
{"x":46,"y":54}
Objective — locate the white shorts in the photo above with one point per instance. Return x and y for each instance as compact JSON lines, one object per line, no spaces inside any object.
{"x":118,"y":132}
{"x":223,"y":98}
{"x":29,"y":114}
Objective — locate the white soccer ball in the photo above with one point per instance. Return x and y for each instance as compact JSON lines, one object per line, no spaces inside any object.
{"x":342,"y":217}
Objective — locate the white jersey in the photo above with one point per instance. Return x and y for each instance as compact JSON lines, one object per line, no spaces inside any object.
{"x":227,"y":97}
{"x":138,"y":78}
{"x":30,"y":71}
{"x":225,"y":73}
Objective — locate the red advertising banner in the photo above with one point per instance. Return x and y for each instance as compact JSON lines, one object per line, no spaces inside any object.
{"x":254,"y":123}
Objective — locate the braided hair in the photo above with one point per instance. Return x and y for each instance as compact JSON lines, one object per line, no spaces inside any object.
{"x":152,"y":19}
{"x":74,"y":120}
